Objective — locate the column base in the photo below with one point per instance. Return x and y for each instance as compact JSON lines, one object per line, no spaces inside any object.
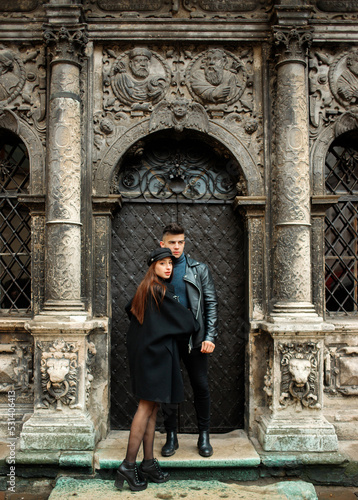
{"x":63,"y":307}
{"x":58,"y":432}
{"x":313,"y":434}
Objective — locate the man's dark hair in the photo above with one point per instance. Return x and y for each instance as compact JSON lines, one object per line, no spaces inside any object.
{"x":173,"y":228}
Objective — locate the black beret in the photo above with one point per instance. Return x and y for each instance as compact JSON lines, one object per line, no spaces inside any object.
{"x":158,"y":254}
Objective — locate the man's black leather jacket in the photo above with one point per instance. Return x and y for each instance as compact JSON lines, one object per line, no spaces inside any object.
{"x":202,"y":300}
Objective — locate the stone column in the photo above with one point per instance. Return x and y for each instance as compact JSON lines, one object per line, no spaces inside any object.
{"x":65,"y":337}
{"x":294,"y":378}
{"x":292,"y":283}
{"x":63,"y":208}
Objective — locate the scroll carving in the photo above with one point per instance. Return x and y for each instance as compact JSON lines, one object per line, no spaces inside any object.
{"x":59,"y":373}
{"x":299,"y":371}
{"x":91,"y":352}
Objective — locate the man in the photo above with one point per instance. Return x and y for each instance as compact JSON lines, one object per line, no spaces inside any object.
{"x":213,"y":82}
{"x":138,"y":86}
{"x":195,"y":289}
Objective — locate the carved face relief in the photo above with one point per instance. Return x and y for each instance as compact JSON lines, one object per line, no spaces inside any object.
{"x":299,"y":370}
{"x":139,"y":77}
{"x":217,"y":77}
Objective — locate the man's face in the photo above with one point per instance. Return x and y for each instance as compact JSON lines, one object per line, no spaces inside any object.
{"x":139,"y":66}
{"x":175,"y":242}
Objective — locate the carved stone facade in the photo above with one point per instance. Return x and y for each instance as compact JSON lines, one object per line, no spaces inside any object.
{"x":88,"y":87}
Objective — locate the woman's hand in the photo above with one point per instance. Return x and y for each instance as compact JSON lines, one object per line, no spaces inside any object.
{"x":207,"y":347}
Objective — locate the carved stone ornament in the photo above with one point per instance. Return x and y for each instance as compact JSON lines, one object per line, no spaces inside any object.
{"x":91,"y":352}
{"x":216,"y":77}
{"x":179,"y":114}
{"x":67,"y":45}
{"x":139,"y":78}
{"x":299,"y":363}
{"x":341,"y":370}
{"x":12,"y":76}
{"x":343,"y":78}
{"x":59,"y":373}
{"x":16,"y":367}
{"x":296,"y":42}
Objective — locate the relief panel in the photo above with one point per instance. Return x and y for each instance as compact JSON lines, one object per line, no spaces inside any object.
{"x":341,"y":370}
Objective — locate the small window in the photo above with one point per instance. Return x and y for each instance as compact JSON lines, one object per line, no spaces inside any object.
{"x":15,"y":234}
{"x":341,"y":233}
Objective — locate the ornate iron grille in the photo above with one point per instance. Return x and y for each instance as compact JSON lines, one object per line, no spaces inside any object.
{"x":341,"y":234}
{"x":15,"y":233}
{"x":167,"y":170}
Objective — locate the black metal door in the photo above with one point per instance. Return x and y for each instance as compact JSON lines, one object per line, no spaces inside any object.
{"x":215,"y":235}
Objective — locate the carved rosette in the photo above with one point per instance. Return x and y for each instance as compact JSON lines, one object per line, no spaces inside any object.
{"x":59,"y":373}
{"x":299,"y":375}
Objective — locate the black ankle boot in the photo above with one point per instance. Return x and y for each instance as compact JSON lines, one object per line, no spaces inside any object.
{"x":171,"y":444}
{"x":128,"y":471}
{"x":150,"y":469}
{"x":205,"y":448}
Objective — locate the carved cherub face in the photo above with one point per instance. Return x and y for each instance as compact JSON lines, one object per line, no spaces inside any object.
{"x":300,"y":370}
{"x":180,"y":107}
{"x":57,"y":369}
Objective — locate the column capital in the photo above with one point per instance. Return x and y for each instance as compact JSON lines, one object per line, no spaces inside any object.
{"x":292,"y":43}
{"x":66,"y":44}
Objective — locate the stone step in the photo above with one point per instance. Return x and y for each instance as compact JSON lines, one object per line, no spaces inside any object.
{"x":232,"y":449}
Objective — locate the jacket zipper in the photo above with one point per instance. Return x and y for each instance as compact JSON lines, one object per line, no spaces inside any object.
{"x":190,"y":345}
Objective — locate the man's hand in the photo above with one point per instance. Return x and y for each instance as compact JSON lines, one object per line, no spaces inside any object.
{"x":207,"y":347}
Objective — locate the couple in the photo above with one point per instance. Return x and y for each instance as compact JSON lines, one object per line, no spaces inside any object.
{"x":173,"y":316}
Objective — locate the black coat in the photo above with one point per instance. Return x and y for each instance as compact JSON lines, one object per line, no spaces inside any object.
{"x":152,"y":350}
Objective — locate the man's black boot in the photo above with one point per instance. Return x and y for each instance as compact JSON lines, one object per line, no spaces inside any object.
{"x":171,"y":444}
{"x":205,"y":448}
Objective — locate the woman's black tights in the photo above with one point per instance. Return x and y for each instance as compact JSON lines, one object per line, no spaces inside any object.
{"x":142,"y":430}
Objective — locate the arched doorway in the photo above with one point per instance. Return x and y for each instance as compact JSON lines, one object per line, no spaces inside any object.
{"x":181,"y":177}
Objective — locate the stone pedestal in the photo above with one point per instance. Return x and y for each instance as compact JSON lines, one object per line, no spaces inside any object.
{"x":294,"y":387}
{"x":62,"y":385}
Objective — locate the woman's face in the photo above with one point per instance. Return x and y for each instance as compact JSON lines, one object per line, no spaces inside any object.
{"x":163,"y":268}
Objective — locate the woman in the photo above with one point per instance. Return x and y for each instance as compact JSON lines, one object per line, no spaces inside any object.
{"x":157,"y":320}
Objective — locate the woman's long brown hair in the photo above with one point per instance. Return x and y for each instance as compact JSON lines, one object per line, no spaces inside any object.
{"x":150,"y":284}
